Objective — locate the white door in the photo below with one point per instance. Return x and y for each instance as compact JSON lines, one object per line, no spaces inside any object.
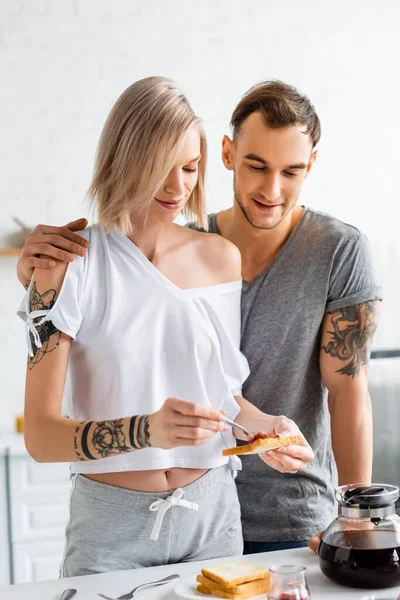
{"x":37,"y":561}
{"x":38,"y":515}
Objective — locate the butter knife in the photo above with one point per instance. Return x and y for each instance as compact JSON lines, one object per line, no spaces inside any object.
{"x":233,"y":424}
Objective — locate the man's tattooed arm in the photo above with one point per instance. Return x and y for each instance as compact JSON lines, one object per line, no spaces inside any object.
{"x":348,"y":334}
{"x":100,"y":439}
{"x":48,"y":334}
{"x":345,"y":348}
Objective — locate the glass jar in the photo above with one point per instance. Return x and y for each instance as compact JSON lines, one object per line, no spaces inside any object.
{"x":361,"y":547}
{"x":288,"y":582}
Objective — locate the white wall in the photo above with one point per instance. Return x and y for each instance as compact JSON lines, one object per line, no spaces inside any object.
{"x":384,"y":387}
{"x":63,"y":63}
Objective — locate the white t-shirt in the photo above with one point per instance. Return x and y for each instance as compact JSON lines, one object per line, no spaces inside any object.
{"x":140,"y":339}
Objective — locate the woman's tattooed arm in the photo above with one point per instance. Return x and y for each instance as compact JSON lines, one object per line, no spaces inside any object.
{"x":100,"y":439}
{"x":49,"y":335}
{"x":91,"y":440}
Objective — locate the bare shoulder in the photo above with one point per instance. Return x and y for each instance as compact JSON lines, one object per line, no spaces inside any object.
{"x":219,"y":254}
{"x":222,"y":249}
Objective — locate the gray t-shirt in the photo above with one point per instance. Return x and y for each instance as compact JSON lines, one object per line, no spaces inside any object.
{"x":324,"y":265}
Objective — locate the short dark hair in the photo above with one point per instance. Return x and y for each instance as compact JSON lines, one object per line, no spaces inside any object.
{"x":281,"y":105}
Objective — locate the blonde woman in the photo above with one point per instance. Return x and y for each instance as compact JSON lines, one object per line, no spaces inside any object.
{"x":149,"y":324}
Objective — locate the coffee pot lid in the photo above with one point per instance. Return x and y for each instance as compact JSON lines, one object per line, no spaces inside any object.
{"x":364,"y":496}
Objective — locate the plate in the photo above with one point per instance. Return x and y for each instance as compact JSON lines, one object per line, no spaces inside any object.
{"x":186,"y":589}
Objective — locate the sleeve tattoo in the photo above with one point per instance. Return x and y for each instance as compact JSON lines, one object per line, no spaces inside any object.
{"x":352,"y":331}
{"x":101,"y":439}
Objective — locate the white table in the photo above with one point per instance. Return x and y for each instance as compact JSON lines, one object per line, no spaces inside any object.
{"x":114,"y":584}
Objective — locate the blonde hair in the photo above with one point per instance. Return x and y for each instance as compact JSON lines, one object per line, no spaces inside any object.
{"x":137,"y":149}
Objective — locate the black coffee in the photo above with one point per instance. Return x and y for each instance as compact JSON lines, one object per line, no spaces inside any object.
{"x":364,"y":559}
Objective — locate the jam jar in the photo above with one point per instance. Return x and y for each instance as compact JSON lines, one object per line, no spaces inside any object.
{"x":288,"y":582}
{"x":361,"y":547}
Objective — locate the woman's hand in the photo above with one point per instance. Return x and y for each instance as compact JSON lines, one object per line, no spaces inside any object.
{"x":183,"y":423}
{"x":288,"y":459}
{"x":47,"y":243}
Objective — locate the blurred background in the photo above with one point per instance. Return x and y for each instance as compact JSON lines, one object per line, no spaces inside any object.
{"x":64,"y":63}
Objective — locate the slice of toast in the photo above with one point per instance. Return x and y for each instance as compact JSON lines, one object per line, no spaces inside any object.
{"x":250,"y":592}
{"x":264,"y":444}
{"x":253,"y":586}
{"x":234,"y":573}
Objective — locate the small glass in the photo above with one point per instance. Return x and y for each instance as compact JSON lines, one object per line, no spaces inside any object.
{"x":288,"y":582}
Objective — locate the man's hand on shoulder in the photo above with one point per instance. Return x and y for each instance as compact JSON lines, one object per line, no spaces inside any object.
{"x":47,"y":244}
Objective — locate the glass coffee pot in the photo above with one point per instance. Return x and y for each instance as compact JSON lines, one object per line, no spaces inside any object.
{"x":361,"y":547}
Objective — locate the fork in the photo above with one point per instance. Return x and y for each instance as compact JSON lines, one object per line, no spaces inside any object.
{"x":130,"y":595}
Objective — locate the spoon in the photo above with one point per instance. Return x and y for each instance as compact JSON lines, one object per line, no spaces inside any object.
{"x":67,"y":594}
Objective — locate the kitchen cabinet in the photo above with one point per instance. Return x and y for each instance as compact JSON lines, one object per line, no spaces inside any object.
{"x":35,"y":514}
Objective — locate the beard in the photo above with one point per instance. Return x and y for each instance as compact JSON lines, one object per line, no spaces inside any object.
{"x":251,"y":220}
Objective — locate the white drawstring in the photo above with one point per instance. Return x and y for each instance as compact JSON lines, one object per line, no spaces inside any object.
{"x":31,"y":328}
{"x":163,"y":505}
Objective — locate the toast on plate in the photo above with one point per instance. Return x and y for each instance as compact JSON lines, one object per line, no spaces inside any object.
{"x":234,"y":573}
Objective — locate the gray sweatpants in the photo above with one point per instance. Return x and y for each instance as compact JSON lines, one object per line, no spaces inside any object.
{"x":112,"y":529}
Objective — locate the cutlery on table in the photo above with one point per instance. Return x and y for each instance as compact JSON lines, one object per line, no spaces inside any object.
{"x":67,"y":594}
{"x":130,"y":595}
